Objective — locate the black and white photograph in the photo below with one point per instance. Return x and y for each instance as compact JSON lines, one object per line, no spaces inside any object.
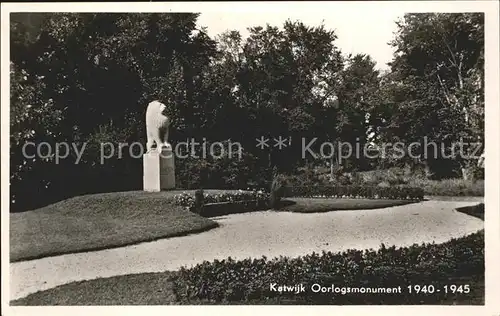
{"x":284,"y":153}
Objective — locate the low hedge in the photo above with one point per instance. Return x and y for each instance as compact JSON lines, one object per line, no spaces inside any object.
{"x":225,"y":208}
{"x":353,"y":191}
{"x":248,"y":281}
{"x":188,"y":200}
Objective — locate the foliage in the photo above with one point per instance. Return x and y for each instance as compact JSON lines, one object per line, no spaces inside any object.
{"x":86,"y":78}
{"x":33,"y":119}
{"x":352,"y":191}
{"x":188,"y":200}
{"x":224,"y":170}
{"x":241,"y":281}
{"x":436,"y":86}
{"x":417,"y":179}
{"x":450,"y":187}
{"x":96,"y":73}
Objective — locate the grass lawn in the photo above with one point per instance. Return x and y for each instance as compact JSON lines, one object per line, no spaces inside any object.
{"x":475,"y":210}
{"x":133,"y":289}
{"x":158,"y":289}
{"x":100,"y":221}
{"x":313,"y":205}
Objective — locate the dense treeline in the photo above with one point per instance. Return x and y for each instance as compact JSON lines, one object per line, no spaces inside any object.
{"x":86,"y":79}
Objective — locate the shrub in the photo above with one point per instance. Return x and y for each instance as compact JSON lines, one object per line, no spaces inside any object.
{"x":188,"y":200}
{"x":417,"y":178}
{"x":250,"y":279}
{"x":309,"y":176}
{"x":450,"y":187}
{"x":356,"y":178}
{"x":392,"y":176}
{"x":395,"y":179}
{"x":184,"y":199}
{"x":223,"y":173}
{"x":302,"y":179}
{"x":371,"y":192}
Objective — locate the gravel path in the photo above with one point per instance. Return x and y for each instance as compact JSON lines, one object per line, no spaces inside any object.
{"x":253,"y":235}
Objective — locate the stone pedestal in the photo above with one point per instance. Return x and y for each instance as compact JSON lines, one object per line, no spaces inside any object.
{"x":159,"y":170}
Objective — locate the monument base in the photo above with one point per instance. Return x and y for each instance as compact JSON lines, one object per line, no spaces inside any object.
{"x":159,"y":170}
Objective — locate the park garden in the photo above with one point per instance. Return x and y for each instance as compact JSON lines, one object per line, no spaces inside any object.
{"x":85,"y":80}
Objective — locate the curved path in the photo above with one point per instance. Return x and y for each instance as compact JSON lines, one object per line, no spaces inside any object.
{"x":253,"y":235}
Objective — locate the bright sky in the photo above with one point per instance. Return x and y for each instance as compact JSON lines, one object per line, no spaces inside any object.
{"x":366,"y":31}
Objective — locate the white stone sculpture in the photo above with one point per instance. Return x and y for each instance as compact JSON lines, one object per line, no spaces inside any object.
{"x":159,"y":165}
{"x":157,"y":126}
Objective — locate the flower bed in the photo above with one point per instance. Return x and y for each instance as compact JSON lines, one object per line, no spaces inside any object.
{"x":255,"y":196}
{"x":370,"y":192}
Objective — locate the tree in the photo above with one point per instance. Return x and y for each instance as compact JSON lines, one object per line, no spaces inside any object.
{"x":35,"y":120}
{"x":96,"y":73}
{"x":439,"y":62}
{"x":357,"y":115}
{"x":284,"y":79}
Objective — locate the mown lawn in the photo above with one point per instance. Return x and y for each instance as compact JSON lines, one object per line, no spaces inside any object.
{"x":133,"y":289}
{"x":159,"y":289}
{"x":475,"y":210}
{"x":314,"y":205}
{"x":99,"y":221}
